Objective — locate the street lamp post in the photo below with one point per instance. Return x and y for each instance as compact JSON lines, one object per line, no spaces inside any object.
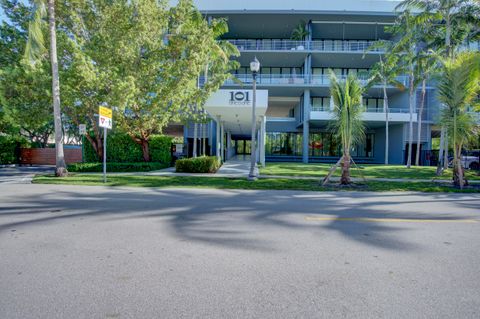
{"x":254,"y":67}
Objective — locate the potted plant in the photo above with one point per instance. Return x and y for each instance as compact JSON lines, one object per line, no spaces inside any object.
{"x":300,"y":33}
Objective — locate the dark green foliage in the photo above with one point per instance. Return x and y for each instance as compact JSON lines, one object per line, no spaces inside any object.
{"x":122,"y":149}
{"x":116,"y":167}
{"x":204,"y":164}
{"x":9,"y":147}
{"x":160,"y":148}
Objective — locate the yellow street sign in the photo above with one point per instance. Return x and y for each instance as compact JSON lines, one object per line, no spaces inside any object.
{"x":105,"y":112}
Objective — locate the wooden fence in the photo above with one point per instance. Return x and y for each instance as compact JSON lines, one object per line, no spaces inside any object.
{"x":46,"y":156}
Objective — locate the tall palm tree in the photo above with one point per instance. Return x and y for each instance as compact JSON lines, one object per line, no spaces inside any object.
{"x":385,"y":73}
{"x":34,"y":50}
{"x":347,"y":118}
{"x":426,"y":65}
{"x":450,"y":20}
{"x":458,"y":88}
{"x":407,"y":48}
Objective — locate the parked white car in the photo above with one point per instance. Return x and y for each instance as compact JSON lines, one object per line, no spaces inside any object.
{"x":470,"y":160}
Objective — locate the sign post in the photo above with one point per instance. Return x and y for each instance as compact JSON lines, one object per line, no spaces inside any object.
{"x":82,"y":128}
{"x":105,"y":121}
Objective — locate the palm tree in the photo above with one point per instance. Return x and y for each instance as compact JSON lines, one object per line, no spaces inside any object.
{"x":426,"y":65}
{"x":347,"y":118}
{"x":449,"y":20}
{"x":300,"y":32}
{"x":458,"y":88}
{"x":385,"y":73}
{"x":34,"y":50}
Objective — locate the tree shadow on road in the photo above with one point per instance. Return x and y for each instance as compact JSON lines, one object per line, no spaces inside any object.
{"x":232,"y":218}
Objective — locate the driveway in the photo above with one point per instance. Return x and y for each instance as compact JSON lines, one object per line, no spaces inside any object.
{"x":106,"y":252}
{"x":23,"y":174}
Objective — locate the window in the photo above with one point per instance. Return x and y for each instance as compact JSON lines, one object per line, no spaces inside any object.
{"x":320,"y":104}
{"x":325,"y":144}
{"x":283,"y":144}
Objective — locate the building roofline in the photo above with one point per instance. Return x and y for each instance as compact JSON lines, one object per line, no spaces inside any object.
{"x":301,"y":12}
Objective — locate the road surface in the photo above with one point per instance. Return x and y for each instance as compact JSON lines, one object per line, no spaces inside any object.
{"x":105,"y":252}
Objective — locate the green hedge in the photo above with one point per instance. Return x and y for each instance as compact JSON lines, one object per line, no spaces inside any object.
{"x":117,"y":167}
{"x":204,"y":164}
{"x":9,"y":147}
{"x":122,"y":149}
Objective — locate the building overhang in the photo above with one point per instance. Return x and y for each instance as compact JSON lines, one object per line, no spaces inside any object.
{"x":233,"y":108}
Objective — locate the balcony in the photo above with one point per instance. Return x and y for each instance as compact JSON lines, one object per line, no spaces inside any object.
{"x":314,"y":46}
{"x":271,"y":79}
{"x":296,"y":80}
{"x":399,"y":115}
{"x":343,"y":46}
{"x":269,"y":45}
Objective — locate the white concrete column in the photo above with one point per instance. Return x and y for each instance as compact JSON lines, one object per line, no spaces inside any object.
{"x":222,"y":141}
{"x":306,"y":125}
{"x":218,"y":141}
{"x":257,"y":149}
{"x":229,"y":144}
{"x":262,"y":140}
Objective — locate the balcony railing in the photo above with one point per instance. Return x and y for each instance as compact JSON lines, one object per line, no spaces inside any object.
{"x":297,"y":79}
{"x":316,"y":45}
{"x":269,"y":45}
{"x":343,"y":46}
{"x":367,"y":110}
{"x":275,"y":79}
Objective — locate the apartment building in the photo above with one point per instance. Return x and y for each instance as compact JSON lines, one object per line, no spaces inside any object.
{"x":293,"y":99}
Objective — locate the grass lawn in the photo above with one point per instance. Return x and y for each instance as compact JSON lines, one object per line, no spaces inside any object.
{"x":367,"y":171}
{"x":239,"y":183}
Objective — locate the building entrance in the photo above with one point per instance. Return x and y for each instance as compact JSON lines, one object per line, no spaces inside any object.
{"x":242,"y":147}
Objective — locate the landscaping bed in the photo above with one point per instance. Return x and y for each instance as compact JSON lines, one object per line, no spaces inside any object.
{"x":243,"y":183}
{"x":359,"y":171}
{"x":203,"y":164}
{"x":116,"y":167}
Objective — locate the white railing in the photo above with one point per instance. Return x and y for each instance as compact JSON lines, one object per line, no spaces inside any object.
{"x":268,"y":45}
{"x":324,"y":80}
{"x":316,"y":45}
{"x":296,"y":79}
{"x":343,"y":46}
{"x":275,"y":79}
{"x":367,"y":110}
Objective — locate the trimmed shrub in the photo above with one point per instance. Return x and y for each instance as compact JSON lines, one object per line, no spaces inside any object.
{"x":116,"y":167}
{"x":122,"y":149}
{"x":204,"y":164}
{"x":9,"y":149}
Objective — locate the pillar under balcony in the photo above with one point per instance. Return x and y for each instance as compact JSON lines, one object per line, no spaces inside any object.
{"x":306,"y":125}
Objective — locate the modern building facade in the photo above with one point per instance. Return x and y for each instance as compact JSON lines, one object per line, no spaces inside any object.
{"x":294,"y":81}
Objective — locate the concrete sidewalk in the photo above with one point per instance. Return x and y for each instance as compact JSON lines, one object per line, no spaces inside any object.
{"x":237,"y":167}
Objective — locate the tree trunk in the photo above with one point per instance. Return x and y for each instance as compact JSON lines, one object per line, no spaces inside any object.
{"x":145,"y":150}
{"x":445,"y":151}
{"x":97,"y":144}
{"x":345,"y":179}
{"x":60,"y":169}
{"x":440,"y":153}
{"x":419,"y":123}
{"x":410,"y":124}
{"x":458,"y":171}
{"x":385,"y":109}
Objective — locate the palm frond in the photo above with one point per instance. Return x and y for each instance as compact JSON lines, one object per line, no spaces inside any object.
{"x":35,"y":47}
{"x":347,"y":112}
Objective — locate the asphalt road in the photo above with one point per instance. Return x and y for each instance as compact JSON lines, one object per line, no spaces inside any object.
{"x":101,"y":252}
